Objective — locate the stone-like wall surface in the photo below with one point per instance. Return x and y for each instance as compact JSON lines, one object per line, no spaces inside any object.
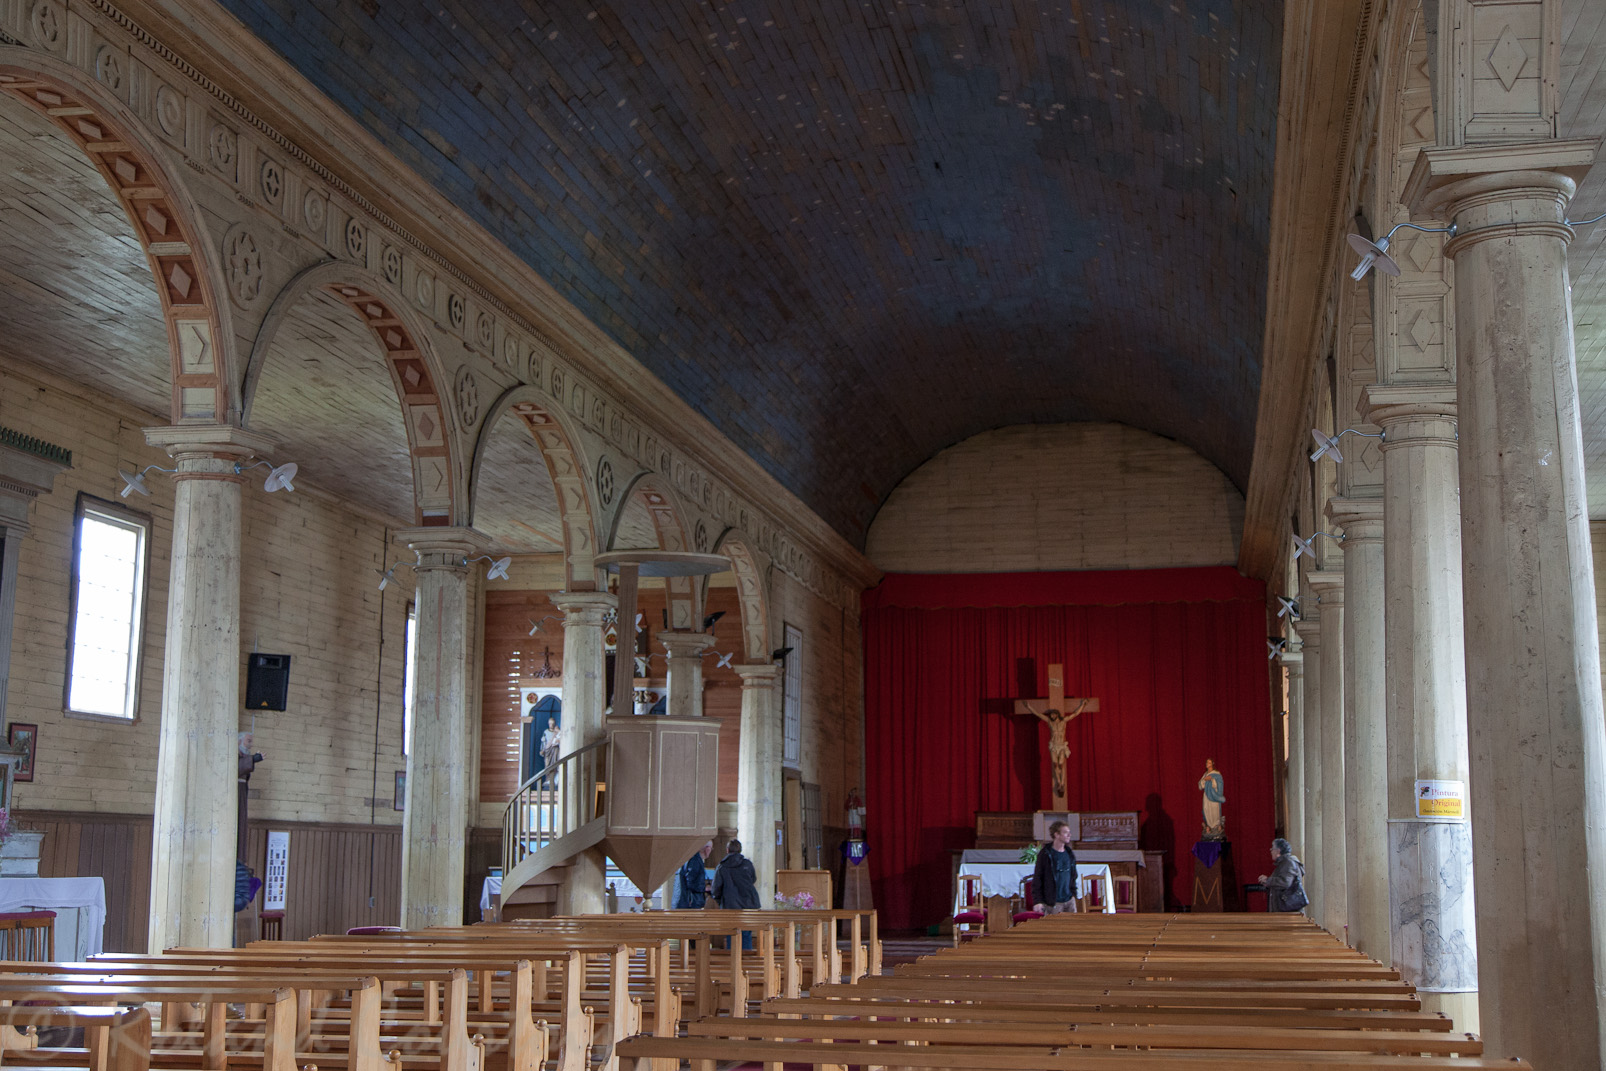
{"x":1038,"y":498}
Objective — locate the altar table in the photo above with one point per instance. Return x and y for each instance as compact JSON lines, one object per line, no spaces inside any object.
{"x":79,"y":904}
{"x":1001,"y":872}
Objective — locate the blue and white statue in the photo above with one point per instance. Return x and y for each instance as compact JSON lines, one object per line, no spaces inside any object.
{"x":1214,"y":788}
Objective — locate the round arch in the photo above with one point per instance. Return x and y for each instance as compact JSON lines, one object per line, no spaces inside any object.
{"x":165,"y":219}
{"x":566,"y":466}
{"x":415,"y":372}
{"x":663,"y":506}
{"x":751,"y":595}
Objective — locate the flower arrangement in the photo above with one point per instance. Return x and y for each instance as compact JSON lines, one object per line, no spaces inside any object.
{"x":1028,"y":854}
{"x":803,"y":901}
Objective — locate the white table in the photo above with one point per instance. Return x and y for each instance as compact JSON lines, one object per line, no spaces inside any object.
{"x":1001,"y":871}
{"x":79,"y":904}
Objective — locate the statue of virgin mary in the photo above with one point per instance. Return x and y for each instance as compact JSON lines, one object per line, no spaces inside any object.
{"x":1214,"y":788}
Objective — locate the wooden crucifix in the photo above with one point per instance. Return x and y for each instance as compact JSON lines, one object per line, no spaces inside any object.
{"x":1057,"y":710}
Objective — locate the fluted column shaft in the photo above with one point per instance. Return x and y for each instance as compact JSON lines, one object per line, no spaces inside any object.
{"x":1366,"y":870}
{"x":1430,"y":858}
{"x":584,"y":700}
{"x":1329,"y":586}
{"x":1534,"y":717}
{"x":758,"y":788}
{"x":196,"y":810}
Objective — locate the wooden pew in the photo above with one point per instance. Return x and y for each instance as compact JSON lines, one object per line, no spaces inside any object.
{"x":115,"y":1039}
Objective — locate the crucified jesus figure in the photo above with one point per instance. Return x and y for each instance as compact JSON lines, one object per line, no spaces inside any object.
{"x":1057,"y":711}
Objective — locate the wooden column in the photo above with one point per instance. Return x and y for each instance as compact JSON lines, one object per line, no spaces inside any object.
{"x":1534,"y":715}
{"x":584,"y":693}
{"x":685,"y":672}
{"x":1312,"y":851}
{"x":1329,"y":587}
{"x":435,"y":823}
{"x":1294,"y":787}
{"x":193,"y":840}
{"x":758,"y":784}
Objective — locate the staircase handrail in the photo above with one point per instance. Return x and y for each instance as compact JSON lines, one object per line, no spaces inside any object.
{"x":558,"y":812}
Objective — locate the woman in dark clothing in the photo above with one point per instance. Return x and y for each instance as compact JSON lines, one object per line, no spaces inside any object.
{"x":736,"y":886}
{"x":1285,"y":885}
{"x":1054,"y":884}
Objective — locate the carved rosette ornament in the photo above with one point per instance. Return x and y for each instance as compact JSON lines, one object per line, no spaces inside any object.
{"x":48,"y":25}
{"x":356,"y":238}
{"x":221,"y":145}
{"x":109,"y":68}
{"x":315,"y":210}
{"x":242,"y":263}
{"x":485,"y":329}
{"x":390,"y":261}
{"x":605,"y":481}
{"x":455,"y":310}
{"x":468,"y":398}
{"x":169,"y":111}
{"x":272,"y":182}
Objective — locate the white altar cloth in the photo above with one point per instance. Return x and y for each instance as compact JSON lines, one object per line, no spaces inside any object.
{"x":1001,"y":871}
{"x":84,"y":896}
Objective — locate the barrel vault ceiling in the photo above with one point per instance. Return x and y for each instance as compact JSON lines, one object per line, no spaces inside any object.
{"x":852,"y":234}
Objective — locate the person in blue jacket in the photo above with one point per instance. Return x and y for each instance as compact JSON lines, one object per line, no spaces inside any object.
{"x":691,"y":888}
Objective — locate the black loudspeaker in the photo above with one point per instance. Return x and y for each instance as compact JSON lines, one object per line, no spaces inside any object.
{"x":267,"y":682}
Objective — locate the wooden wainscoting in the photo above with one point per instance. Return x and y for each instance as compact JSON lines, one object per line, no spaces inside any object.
{"x":329,"y":881}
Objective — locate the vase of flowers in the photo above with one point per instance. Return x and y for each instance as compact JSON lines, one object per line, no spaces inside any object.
{"x":803,"y":901}
{"x":19,"y":848}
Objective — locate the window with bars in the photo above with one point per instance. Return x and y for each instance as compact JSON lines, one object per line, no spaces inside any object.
{"x":792,"y":700}
{"x":111,"y":556}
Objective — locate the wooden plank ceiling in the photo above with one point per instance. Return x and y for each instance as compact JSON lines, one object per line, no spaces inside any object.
{"x":852,"y":234}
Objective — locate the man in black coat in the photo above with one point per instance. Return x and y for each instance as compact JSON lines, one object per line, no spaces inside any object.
{"x":1054,"y":884}
{"x":736,"y":886}
{"x":691,"y":890}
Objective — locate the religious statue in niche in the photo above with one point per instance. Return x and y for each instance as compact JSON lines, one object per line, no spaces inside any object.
{"x":1214,"y":787}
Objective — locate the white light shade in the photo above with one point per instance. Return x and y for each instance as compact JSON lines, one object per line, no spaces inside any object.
{"x":280,"y":476}
{"x":132,"y":481}
{"x":725,"y":660}
{"x":498,"y":569}
{"x":1326,"y":444}
{"x":1373,"y":255}
{"x":1289,"y":607}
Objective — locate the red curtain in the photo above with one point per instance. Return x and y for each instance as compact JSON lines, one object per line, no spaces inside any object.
{"x":1176,"y":658}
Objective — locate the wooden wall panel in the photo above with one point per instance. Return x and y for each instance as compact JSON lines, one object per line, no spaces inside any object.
{"x":334,"y":869}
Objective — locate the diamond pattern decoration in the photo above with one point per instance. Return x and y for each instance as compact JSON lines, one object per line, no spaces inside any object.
{"x":374,"y":310}
{"x":426,"y":427}
{"x":155,"y":219}
{"x":1422,"y":124}
{"x":126,"y":170}
{"x":1371,"y":458}
{"x":412,"y":376}
{"x":1508,"y":58}
{"x":92,"y":131}
{"x":393,"y":338}
{"x":1420,"y":253}
{"x":1421,"y":331}
{"x":180,"y":280}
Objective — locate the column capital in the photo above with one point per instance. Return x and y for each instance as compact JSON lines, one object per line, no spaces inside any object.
{"x":1497,"y":191}
{"x":758,"y":676}
{"x":1362,"y":519}
{"x":584,"y":607}
{"x":443,"y":546}
{"x":1422,"y":414}
{"x":208,"y":451}
{"x":1293,"y":662}
{"x":1328,"y":585}
{"x":685,"y":644}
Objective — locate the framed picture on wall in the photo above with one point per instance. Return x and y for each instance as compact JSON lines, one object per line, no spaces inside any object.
{"x":399,"y":801}
{"x":24,"y":737}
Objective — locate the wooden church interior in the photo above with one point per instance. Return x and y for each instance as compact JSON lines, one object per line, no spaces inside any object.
{"x":937,"y":418}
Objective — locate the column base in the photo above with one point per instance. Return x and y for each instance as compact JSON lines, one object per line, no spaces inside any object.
{"x":1431,"y":906}
{"x":1460,"y":1008}
{"x":581,"y":892}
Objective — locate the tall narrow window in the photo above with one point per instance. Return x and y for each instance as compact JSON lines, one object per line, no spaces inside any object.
{"x":792,"y":700}
{"x":409,"y":671}
{"x":111,"y":550}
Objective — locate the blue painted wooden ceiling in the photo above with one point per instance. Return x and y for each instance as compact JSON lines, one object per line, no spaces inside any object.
{"x":852,"y":234}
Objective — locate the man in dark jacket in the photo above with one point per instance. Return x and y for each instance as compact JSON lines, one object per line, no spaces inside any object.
{"x":1054,"y":884}
{"x":691,"y":889}
{"x":736,"y":886}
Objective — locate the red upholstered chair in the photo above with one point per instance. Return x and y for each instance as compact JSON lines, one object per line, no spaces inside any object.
{"x":970,"y":918}
{"x":1025,"y":914}
{"x":1094,"y":893}
{"x":1126,"y":893}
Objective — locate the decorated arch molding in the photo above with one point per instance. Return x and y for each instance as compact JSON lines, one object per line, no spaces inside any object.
{"x":750,"y":597}
{"x":684,"y":604}
{"x":565,"y":466}
{"x":164,"y":217}
{"x":413,"y":370}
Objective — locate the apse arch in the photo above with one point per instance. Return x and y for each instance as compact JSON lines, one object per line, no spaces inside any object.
{"x":415,"y":372}
{"x":165,"y":220}
{"x":566,"y":465}
{"x":667,"y":514}
{"x":751,"y":595}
